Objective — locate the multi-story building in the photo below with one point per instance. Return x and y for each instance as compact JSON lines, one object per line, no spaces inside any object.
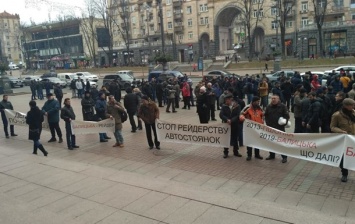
{"x":70,"y":43}
{"x":10,"y":44}
{"x":207,"y":28}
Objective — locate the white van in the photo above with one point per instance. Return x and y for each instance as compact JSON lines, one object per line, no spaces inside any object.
{"x":127,"y":72}
{"x":13,"y":67}
{"x":66,"y":77}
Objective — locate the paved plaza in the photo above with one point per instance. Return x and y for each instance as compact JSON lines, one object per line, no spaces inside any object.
{"x":180,"y":183}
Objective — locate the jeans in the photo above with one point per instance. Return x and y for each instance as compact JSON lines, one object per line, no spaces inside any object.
{"x":80,"y":93}
{"x":148,"y":131}
{"x":172,"y":103}
{"x":40,"y":94}
{"x":103,"y":136}
{"x":264,"y":101}
{"x":6,"y":124}
{"x":131,"y":121}
{"x":249,"y":97}
{"x":73,"y":93}
{"x":69,"y":135}
{"x":118,"y":136}
{"x":54,"y":126}
{"x":33,"y":95}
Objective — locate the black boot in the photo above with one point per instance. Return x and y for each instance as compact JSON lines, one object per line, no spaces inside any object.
{"x":225,"y":153}
{"x":45,"y":153}
{"x":236,"y":152}
{"x":34,"y":150}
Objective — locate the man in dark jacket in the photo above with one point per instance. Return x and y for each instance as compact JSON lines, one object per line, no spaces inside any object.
{"x":160,"y":93}
{"x":51,"y":109}
{"x":287,"y":91}
{"x":6,"y":104}
{"x":202,"y":106}
{"x":58,"y":92}
{"x":101,"y":112}
{"x":299,"y":96}
{"x":67,"y":114}
{"x":131,"y":103}
{"x":73,"y":88}
{"x":115,"y":90}
{"x":229,"y":113}
{"x":273,"y":112}
{"x":87,"y":107}
{"x":339,"y":97}
{"x":312,"y":121}
{"x":211,"y":99}
{"x":39,"y":88}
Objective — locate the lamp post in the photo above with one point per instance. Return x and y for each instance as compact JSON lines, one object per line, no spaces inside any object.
{"x":161,"y":26}
{"x":302,"y":39}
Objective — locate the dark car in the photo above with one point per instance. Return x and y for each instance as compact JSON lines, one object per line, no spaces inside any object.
{"x":166,"y":75}
{"x":49,"y":74}
{"x":276,"y":76}
{"x":15,"y":82}
{"x":53,"y":81}
{"x":220,"y":74}
{"x":124,"y":80}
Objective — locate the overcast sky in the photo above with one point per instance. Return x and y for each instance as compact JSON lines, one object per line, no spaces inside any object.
{"x":39,"y":10}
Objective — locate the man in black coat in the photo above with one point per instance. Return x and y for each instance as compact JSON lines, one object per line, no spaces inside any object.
{"x":131,"y":103}
{"x":313,"y":119}
{"x":67,"y":114}
{"x":202,"y":106}
{"x":160,"y":92}
{"x":58,"y":92}
{"x":6,"y":104}
{"x":229,"y":113}
{"x":273,"y":112}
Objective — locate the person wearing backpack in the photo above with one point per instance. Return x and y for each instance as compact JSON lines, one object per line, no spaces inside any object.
{"x":115,"y":109}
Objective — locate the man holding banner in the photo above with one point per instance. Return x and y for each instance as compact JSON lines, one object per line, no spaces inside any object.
{"x":51,"y":109}
{"x":273,"y":112}
{"x":343,"y":121}
{"x":5,"y":104}
{"x":67,"y":114}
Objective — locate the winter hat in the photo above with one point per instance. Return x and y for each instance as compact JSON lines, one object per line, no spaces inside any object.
{"x":145,"y":98}
{"x":348,"y":102}
{"x":255,"y":98}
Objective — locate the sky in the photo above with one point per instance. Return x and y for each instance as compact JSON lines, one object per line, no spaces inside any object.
{"x":39,"y":10}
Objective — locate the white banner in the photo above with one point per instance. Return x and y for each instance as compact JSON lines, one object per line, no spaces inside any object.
{"x":216,"y":135}
{"x":325,"y":148}
{"x":91,"y":127}
{"x":19,"y":119}
{"x":349,"y":154}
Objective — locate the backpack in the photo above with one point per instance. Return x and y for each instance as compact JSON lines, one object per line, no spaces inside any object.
{"x":124,"y":116}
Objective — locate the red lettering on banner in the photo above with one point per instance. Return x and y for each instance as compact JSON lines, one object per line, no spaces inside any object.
{"x":349,"y":152}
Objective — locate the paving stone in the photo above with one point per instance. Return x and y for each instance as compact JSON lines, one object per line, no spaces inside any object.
{"x":351,"y":210}
{"x":125,"y":197}
{"x":289,"y":198}
{"x":310,"y":201}
{"x":248,"y":190}
{"x":188,"y":213}
{"x":13,"y":185}
{"x":170,"y":174}
{"x":335,"y":206}
{"x":125,"y":218}
{"x":100,"y":212}
{"x":185,"y":176}
{"x":6,"y":179}
{"x":78,"y":209}
{"x":22,"y":190}
{"x":231,"y":186}
{"x":94,"y":188}
{"x":268,"y":194}
{"x":199,"y":179}
{"x":214,"y":183}
{"x":270,"y":221}
{"x":146,"y":202}
{"x":63,"y":203}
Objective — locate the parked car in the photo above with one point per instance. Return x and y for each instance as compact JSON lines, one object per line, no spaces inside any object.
{"x":128,"y":72}
{"x":54,"y":81}
{"x":15,"y":82}
{"x":87,"y":75}
{"x":92,"y":83}
{"x":167,"y":75}
{"x":124,"y":80}
{"x":276,"y":76}
{"x":27,"y":80}
{"x":320,"y":74}
{"x":219,"y":73}
{"x":67,"y":77}
{"x":13,"y":67}
{"x":351,"y":69}
{"x":49,"y":74}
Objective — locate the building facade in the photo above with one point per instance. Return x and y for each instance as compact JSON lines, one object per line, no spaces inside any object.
{"x":10,"y":44}
{"x":208,"y":28}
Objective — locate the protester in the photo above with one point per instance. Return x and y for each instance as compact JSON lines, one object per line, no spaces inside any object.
{"x":229,"y":114}
{"x":343,"y":121}
{"x":115,"y":109}
{"x":312,"y":120}
{"x":80,"y":87}
{"x":264,"y":93}
{"x":6,"y":104}
{"x":68,"y":115}
{"x":273,"y":112}
{"x":34,"y":119}
{"x":131,"y":103}
{"x":211,"y":102}
{"x":73,"y":88}
{"x":149,"y":112}
{"x":186,"y":95}
{"x":51,"y":110}
{"x":170,"y":92}
{"x":254,"y":113}
{"x":202,"y":106}
{"x":101,"y":111}
{"x":87,"y":107}
{"x":33,"y":90}
{"x":299,"y":96}
{"x":138,"y":92}
{"x":58,"y":92}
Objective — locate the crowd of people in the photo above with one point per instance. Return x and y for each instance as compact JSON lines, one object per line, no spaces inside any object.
{"x":316,"y":108}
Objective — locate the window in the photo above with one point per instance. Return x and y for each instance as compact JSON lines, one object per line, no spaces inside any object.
{"x":133,"y":19}
{"x":170,"y":25}
{"x":258,"y":14}
{"x":202,"y":21}
{"x":190,"y":35}
{"x":204,"y":8}
{"x":168,"y":2}
{"x":304,"y":6}
{"x":168,"y":13}
{"x":206,"y":20}
{"x":274,"y":11}
{"x":352,"y":16}
{"x":274,"y":25}
{"x":181,"y":37}
{"x":338,"y":3}
{"x":189,"y":22}
{"x":289,"y":24}
{"x":304,"y":21}
{"x":8,"y":49}
{"x":9,"y":56}
{"x":257,"y":1}
{"x":321,"y":4}
{"x":189,"y":10}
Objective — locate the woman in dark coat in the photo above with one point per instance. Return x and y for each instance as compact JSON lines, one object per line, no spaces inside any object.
{"x":34,"y":119}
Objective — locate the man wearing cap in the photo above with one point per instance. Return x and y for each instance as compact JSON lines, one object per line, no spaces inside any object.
{"x":202,"y":106}
{"x":273,"y":112}
{"x":254,"y":113}
{"x":229,"y":113}
{"x":51,"y":109}
{"x":343,"y":121}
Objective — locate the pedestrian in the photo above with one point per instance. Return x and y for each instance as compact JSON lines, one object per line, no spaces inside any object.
{"x":273,"y":112}
{"x":343,"y":121}
{"x":39,"y":88}
{"x":87,"y":107}
{"x":34,"y":119}
{"x":101,"y":111}
{"x":138,"y":92}
{"x":58,"y":92}
{"x":80,"y":87}
{"x":6,"y":104}
{"x":297,"y":105}
{"x":115,"y":109}
{"x":211,"y":101}
{"x":68,"y":115}
{"x":48,"y":86}
{"x":177,"y":94}
{"x":170,"y":92}
{"x":51,"y":109}
{"x":73,"y":88}
{"x":229,"y":114}
{"x":254,"y":113}
{"x":131,"y":103}
{"x":202,"y":106}
{"x":264,"y":93}
{"x":33,"y":89}
{"x":186,"y":95}
{"x":266,"y":67}
{"x":312,"y":121}
{"x":149,"y":112}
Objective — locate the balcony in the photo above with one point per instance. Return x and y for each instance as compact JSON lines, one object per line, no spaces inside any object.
{"x":291,"y":13}
{"x":178,"y":28}
{"x":335,"y":10}
{"x":177,"y":15}
{"x":333,"y":24}
{"x":177,"y":3}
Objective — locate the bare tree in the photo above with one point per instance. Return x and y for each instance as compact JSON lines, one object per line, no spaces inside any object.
{"x":285,"y":10}
{"x":252,"y":14}
{"x":320,"y":9}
